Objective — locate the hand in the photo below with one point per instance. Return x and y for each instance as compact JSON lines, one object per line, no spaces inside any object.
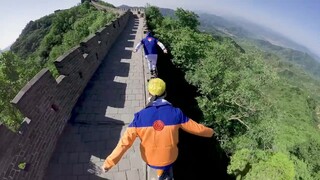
{"x":165,"y":51}
{"x":104,"y":169}
{"x":134,"y":50}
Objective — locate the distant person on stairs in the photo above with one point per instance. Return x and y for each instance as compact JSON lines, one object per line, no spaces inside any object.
{"x":157,"y":126}
{"x":150,"y":50}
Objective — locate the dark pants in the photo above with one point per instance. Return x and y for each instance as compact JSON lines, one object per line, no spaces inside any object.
{"x":167,"y":174}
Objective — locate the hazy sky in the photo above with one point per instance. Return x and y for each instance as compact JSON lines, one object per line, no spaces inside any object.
{"x":298,"y":19}
{"x":15,"y":14}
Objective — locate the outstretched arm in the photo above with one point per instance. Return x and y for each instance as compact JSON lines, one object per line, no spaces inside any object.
{"x":162,"y":47}
{"x":193,"y":127}
{"x":137,"y":47}
{"x":197,"y":129}
{"x":124,"y":144}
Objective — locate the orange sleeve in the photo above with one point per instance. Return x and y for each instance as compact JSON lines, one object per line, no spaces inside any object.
{"x":197,"y":129}
{"x":123,"y":145}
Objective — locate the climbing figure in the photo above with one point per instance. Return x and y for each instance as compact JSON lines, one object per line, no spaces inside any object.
{"x":157,"y":126}
{"x":151,"y":52}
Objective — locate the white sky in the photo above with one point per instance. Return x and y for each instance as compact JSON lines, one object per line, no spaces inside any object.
{"x":15,"y":14}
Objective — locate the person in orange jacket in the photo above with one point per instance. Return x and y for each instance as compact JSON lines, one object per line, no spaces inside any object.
{"x":157,"y":126}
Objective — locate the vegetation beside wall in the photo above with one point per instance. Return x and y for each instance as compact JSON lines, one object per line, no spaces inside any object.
{"x":266,"y":121}
{"x":39,"y":45}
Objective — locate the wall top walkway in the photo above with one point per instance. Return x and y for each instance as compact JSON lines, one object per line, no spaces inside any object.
{"x":113,"y":95}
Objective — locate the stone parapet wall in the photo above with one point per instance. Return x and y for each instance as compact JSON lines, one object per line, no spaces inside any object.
{"x":47,"y":104}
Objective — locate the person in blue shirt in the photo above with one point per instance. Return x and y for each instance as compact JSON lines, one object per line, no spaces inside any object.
{"x":150,"y":44}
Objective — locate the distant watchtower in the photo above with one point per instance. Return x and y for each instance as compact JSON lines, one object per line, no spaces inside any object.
{"x":82,"y":1}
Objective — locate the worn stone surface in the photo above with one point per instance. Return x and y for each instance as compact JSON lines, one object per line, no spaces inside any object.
{"x":103,"y":112}
{"x":47,"y":104}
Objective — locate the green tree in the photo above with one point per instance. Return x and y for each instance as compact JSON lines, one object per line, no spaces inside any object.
{"x":187,"y":18}
{"x":308,"y":152}
{"x":153,"y":16}
{"x":243,"y":160}
{"x":264,"y":108}
{"x":256,"y":164}
{"x":189,"y":47}
{"x":10,"y":85}
{"x":277,"y":167}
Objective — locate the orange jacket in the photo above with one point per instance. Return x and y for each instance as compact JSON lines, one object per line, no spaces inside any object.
{"x":157,"y":127}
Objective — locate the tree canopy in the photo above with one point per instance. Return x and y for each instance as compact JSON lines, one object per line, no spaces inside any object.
{"x":264,"y":109}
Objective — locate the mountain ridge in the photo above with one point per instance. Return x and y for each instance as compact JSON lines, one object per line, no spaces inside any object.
{"x":227,"y":26}
{"x":271,"y":35}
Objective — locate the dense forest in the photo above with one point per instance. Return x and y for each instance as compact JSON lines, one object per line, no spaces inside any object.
{"x":249,"y":36}
{"x":264,"y":108}
{"x":39,"y":45}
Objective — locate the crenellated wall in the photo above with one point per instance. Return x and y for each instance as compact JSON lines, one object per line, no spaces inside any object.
{"x":133,"y":9}
{"x":136,"y":10}
{"x":47,"y":104}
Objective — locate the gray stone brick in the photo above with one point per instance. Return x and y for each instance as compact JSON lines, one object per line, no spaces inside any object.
{"x":94,"y":159}
{"x":84,"y":177}
{"x":127,"y":117}
{"x":139,"y":97}
{"x":116,"y":92}
{"x":73,"y":157}
{"x":92,"y":136}
{"x":124,"y":164}
{"x":112,"y":110}
{"x":107,"y":176}
{"x":114,"y":168}
{"x":78,"y":169}
{"x":66,"y":169}
{"x":84,"y":157}
{"x":136,"y":161}
{"x":67,"y":178}
{"x":63,"y":158}
{"x":130,"y":97}
{"x":133,"y":175}
{"x":119,"y":176}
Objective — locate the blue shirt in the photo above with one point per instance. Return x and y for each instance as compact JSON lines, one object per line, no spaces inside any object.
{"x":150,"y":45}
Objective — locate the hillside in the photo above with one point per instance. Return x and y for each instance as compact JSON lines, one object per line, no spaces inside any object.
{"x":248,"y":35}
{"x":241,"y":29}
{"x":234,"y":25}
{"x":31,"y":36}
{"x":263,"y":104}
{"x":5,"y":49}
{"x":220,"y":26}
{"x":301,"y":59}
{"x":41,"y":42}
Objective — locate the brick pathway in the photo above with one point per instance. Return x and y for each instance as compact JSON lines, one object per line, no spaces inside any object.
{"x":116,"y":91}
